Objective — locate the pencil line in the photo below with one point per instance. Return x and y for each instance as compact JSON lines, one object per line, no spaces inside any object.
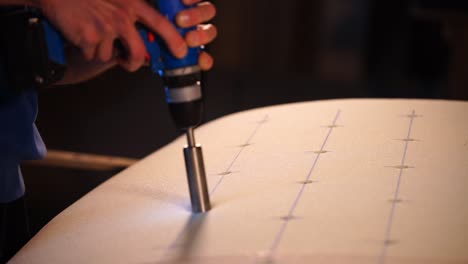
{"x":396,"y":195}
{"x":247,"y":142}
{"x":284,"y":225}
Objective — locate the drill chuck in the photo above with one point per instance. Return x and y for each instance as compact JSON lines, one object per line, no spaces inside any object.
{"x":184,"y":96}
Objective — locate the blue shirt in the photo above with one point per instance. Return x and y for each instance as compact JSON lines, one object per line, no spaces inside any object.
{"x":19,"y":138}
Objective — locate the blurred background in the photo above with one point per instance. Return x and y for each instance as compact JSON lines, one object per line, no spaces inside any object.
{"x":267,"y":52}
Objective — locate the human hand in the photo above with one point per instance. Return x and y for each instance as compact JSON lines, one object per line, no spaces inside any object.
{"x":204,"y":33}
{"x":98,"y":23}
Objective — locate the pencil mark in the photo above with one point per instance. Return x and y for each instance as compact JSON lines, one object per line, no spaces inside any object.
{"x":247,"y":143}
{"x":276,"y":242}
{"x":288,"y":218}
{"x":318,"y":151}
{"x":390,"y":242}
{"x":396,"y":197}
{"x":307,"y":182}
{"x":398,"y":200}
{"x":407,"y":139}
{"x":412,"y":116}
{"x":401,"y":167}
{"x":264,"y":120}
{"x":332,"y":126}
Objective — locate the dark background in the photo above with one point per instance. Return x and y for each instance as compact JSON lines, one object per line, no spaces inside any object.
{"x":267,"y":52}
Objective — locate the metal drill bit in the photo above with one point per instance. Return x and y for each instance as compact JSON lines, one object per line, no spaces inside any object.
{"x":196,"y":175}
{"x":191,"y":137}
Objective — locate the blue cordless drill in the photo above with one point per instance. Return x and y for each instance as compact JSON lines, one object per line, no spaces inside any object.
{"x":182,"y":81}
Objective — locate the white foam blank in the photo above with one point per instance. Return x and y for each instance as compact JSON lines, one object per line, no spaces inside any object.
{"x":142,"y":215}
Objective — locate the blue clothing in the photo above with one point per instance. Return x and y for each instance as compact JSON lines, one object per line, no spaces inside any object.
{"x":19,"y":138}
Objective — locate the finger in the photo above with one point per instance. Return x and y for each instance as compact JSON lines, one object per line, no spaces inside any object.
{"x":203,"y":35}
{"x":89,"y":52}
{"x":203,"y":12}
{"x":160,"y":25}
{"x":135,"y":48}
{"x":105,"y":50}
{"x":88,"y":41}
{"x":205,"y":61}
